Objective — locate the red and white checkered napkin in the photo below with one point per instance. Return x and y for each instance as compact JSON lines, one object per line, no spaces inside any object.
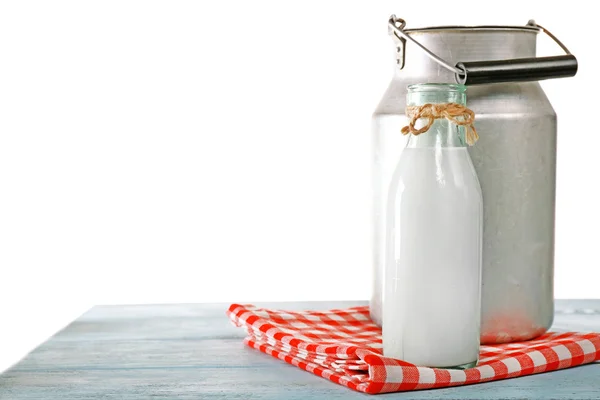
{"x":344,"y":346}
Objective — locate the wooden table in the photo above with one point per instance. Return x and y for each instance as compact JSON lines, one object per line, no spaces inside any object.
{"x":191,"y":351}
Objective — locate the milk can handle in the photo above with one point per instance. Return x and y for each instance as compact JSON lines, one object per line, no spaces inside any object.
{"x":512,"y":70}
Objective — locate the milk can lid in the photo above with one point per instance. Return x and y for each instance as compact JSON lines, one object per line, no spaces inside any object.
{"x":490,"y":71}
{"x":523,"y":28}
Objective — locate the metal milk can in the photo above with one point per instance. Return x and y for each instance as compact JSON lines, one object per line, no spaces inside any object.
{"x":515,"y":160}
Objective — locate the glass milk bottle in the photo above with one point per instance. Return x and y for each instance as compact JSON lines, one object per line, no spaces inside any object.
{"x":432,"y":280}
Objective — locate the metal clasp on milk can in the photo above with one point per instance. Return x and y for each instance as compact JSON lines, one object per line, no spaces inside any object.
{"x":481,"y":72}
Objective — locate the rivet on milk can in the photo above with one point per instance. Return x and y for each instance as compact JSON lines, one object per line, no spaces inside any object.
{"x":515,"y":160}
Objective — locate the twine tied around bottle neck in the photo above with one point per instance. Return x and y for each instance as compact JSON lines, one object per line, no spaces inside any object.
{"x":453,"y":112}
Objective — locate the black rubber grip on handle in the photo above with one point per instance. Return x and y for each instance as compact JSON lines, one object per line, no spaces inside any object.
{"x":517,"y":70}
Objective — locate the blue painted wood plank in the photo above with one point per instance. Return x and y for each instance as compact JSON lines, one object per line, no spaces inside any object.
{"x":191,"y":351}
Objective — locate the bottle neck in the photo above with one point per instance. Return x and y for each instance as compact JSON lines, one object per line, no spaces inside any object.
{"x":442,"y":133}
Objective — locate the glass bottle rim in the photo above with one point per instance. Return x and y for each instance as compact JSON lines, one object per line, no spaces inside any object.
{"x":437,"y":87}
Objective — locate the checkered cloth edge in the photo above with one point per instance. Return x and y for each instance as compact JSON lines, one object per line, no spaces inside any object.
{"x":344,"y":346}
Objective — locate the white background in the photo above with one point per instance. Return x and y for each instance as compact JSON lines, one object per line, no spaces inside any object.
{"x":155,"y":152}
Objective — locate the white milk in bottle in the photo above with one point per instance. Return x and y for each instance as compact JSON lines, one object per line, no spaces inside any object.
{"x":432,"y":295}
